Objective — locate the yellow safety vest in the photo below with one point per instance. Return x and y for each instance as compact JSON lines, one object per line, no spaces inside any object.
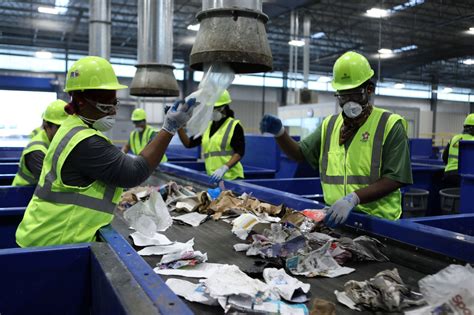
{"x":63,"y":214}
{"x":344,"y":171}
{"x":217,"y":150}
{"x":35,"y":131}
{"x":137,"y":144}
{"x":24,"y":177}
{"x":453,"y":153}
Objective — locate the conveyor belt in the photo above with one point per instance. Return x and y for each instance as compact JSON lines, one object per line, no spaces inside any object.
{"x":216,"y":238}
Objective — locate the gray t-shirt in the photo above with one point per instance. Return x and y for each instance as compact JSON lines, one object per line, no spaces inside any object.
{"x":96,"y":159}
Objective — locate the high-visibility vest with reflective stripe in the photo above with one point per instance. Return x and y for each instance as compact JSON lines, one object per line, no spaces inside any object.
{"x":35,"y":131}
{"x":217,"y":150}
{"x":137,"y":144}
{"x":344,"y":171}
{"x":24,"y":177}
{"x":60,"y":213}
{"x":453,"y":153}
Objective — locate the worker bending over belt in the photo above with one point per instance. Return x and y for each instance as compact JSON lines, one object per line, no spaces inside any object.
{"x":142,"y":134}
{"x":362,"y":153}
{"x":31,"y":161}
{"x":451,"y":153}
{"x":223,"y":142}
{"x":83,"y":172}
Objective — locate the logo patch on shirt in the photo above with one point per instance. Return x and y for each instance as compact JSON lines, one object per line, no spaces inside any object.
{"x":365,"y":137}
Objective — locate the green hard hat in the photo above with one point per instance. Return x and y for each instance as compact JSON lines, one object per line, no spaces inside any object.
{"x":224,"y":99}
{"x":469,"y":120}
{"x":55,"y":112}
{"x":138,"y":114}
{"x":92,"y":73}
{"x":350,"y":71}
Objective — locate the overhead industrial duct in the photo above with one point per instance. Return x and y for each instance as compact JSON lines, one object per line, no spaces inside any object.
{"x":154,"y":76}
{"x":99,"y":28}
{"x":233,"y":32}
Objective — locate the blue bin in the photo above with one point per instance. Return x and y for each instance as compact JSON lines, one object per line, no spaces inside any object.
{"x":69,"y":279}
{"x":8,"y":168}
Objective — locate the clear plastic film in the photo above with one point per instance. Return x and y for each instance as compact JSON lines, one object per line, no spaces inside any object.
{"x":217,"y":78}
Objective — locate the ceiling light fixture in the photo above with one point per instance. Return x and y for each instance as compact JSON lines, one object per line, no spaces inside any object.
{"x":296,"y":42}
{"x":43,"y":54}
{"x":48,"y":10}
{"x":376,"y":13}
{"x":385,"y":51}
{"x":399,"y":85}
{"x":406,"y":5}
{"x":468,"y":62}
{"x":318,"y":35}
{"x":193,"y":27}
{"x":405,"y":48}
{"x":447,"y":90}
{"x":324,"y":79}
{"x":471,"y":30}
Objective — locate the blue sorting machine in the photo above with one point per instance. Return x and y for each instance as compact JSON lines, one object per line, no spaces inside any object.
{"x":466,"y":171}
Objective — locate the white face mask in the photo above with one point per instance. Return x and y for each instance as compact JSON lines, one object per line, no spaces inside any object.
{"x":216,"y":115}
{"x":139,"y":129}
{"x":103,"y":124}
{"x":352,"y":109}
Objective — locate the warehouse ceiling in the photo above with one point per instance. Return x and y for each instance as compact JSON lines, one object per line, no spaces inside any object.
{"x":438,"y":30}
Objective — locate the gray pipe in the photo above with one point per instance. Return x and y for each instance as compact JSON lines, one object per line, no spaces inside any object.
{"x":99,"y":28}
{"x":306,"y":34}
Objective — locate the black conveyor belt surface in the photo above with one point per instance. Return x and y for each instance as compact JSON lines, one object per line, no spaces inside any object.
{"x":216,"y":238}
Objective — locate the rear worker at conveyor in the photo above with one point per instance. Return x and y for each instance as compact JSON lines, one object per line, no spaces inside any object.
{"x":83,"y":172}
{"x":31,"y":161}
{"x":223,"y":142}
{"x":142,"y":135}
{"x":362,"y":153}
{"x":451,"y":177}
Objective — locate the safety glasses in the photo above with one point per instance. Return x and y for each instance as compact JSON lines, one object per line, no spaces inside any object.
{"x":105,"y":108}
{"x":360,"y":97}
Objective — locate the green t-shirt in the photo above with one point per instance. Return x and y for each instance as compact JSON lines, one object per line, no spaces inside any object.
{"x":394,"y":166}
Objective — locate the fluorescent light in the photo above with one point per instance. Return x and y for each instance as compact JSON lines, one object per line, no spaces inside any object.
{"x":42,"y":54}
{"x":193,"y":27}
{"x":324,"y":79}
{"x":406,"y":5}
{"x":48,"y":10}
{"x":471,"y":30}
{"x":385,"y":51}
{"x":377,"y":13}
{"x":399,"y":85}
{"x":318,"y":35}
{"x":447,"y":90}
{"x":405,"y":48}
{"x":468,"y":62}
{"x":296,"y":42}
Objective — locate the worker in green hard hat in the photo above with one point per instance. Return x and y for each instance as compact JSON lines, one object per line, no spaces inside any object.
{"x":223,"y":142}
{"x":31,"y":161}
{"x":83,"y":173}
{"x":142,"y":134}
{"x":362,"y":153}
{"x":451,"y":177}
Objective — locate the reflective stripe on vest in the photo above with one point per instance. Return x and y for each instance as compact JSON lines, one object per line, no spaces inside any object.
{"x":223,"y":151}
{"x":30,"y":179}
{"x":45,"y":192}
{"x":453,"y":154}
{"x":376,"y":156}
{"x":24,"y":177}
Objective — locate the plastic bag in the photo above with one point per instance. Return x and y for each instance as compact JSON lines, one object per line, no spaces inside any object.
{"x":218,"y":77}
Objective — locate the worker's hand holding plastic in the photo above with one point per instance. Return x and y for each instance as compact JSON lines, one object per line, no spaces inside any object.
{"x":339,"y":211}
{"x":178,"y":115}
{"x":272,"y":124}
{"x":219,"y":173}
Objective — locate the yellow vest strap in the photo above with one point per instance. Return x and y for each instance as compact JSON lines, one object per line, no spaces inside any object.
{"x":218,"y":153}
{"x":30,"y":179}
{"x":376,"y":156}
{"x":453,"y":156}
{"x":45,"y":192}
{"x":223,"y":151}
{"x":36,"y":143}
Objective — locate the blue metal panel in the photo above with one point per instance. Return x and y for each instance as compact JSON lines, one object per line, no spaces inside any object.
{"x":425,"y":161}
{"x":444,"y":242}
{"x":6,"y":179}
{"x":177,"y":149}
{"x":249,"y":171}
{"x":467,"y":195}
{"x":26,"y":83}
{"x":463,"y":224}
{"x":466,"y":158}
{"x":297,"y":186}
{"x":421,"y":147}
{"x":8,"y":168}
{"x":261,"y":152}
{"x":428,"y":178}
{"x":45,"y":280}
{"x":292,"y":169}
{"x":159,"y":293}
{"x":11,"y":152}
{"x":11,"y":196}
{"x":9,"y":220}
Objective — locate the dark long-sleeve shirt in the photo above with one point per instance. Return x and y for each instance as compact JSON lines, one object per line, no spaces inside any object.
{"x":34,"y":162}
{"x":96,"y":159}
{"x":237,"y":142}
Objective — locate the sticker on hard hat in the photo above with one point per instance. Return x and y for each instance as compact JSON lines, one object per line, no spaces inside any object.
{"x":74,"y":74}
{"x":345,"y":77}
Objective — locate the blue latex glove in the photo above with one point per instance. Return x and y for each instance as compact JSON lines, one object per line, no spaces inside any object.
{"x":272,"y":124}
{"x":340,"y":210}
{"x":178,"y":115}
{"x":219,"y":173}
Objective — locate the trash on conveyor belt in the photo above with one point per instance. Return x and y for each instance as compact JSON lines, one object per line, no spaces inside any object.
{"x":384,"y":292}
{"x":167,"y":249}
{"x":182,"y":259}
